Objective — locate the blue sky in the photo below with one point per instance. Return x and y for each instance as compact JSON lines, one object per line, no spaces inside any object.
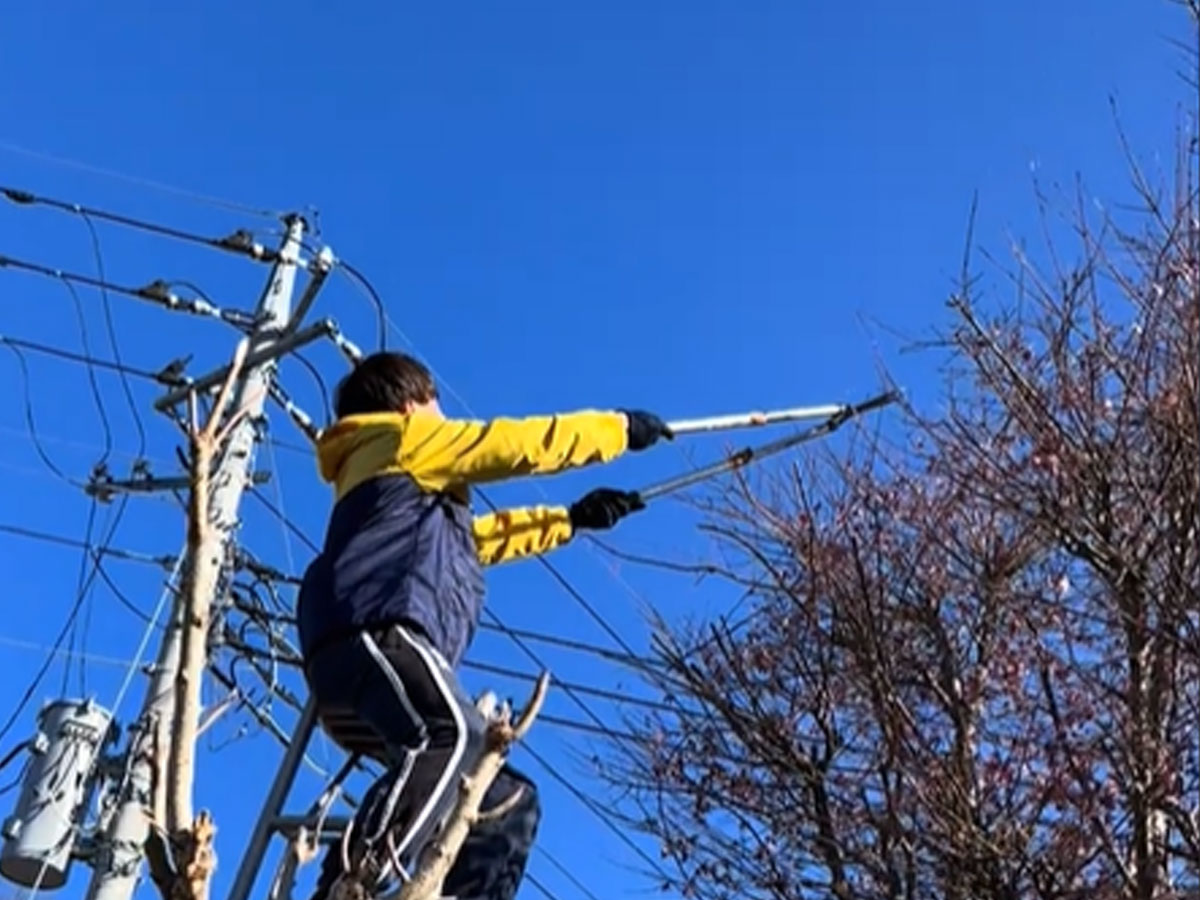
{"x":692,"y":208}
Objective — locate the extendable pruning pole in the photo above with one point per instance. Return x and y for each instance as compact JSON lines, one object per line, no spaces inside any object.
{"x":755,"y":419}
{"x":836,"y":417}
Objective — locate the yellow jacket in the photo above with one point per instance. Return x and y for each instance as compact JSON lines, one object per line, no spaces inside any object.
{"x":449,"y":455}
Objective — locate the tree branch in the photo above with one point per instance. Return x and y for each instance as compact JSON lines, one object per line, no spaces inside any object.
{"x":180,"y":849}
{"x":502,"y":733}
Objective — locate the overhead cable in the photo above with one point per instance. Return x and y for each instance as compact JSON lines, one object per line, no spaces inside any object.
{"x":97,"y":398}
{"x":162,"y":562}
{"x":141,"y":181}
{"x":368,"y":290}
{"x":31,"y":422}
{"x":599,"y":812}
{"x":106,"y":304}
{"x":240,"y":242}
{"x":600,"y":693}
{"x":72,"y":356}
{"x":156,"y":292}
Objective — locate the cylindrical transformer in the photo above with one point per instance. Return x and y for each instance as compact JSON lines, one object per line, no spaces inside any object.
{"x":39,"y":836}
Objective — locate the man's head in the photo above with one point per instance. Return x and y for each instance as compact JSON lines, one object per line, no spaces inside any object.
{"x":386,"y":382}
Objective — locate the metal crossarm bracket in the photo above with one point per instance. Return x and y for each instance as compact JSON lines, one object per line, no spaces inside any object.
{"x":319,"y":267}
{"x":104,"y":488}
{"x":276,"y":349}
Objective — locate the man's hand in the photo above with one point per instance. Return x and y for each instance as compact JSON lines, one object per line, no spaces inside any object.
{"x":644,"y":429}
{"x":603,"y":508}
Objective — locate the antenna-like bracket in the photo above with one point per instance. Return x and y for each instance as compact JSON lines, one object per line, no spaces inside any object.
{"x":103,"y":487}
{"x":277,"y":348}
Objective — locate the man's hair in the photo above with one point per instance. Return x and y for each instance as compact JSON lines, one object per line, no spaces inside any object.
{"x":384,"y":382}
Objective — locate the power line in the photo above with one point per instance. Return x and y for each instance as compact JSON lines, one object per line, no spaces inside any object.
{"x":506,"y":630}
{"x":121,"y":596}
{"x":277,"y":481}
{"x":277,"y":654}
{"x":30,"y":423}
{"x":239,"y":243}
{"x":156,"y":292}
{"x":81,"y":588}
{"x":116,"y":553}
{"x":574,"y":593}
{"x":35,"y":647}
{"x":320,"y":381}
{"x":545,"y":891}
{"x":112,"y":332}
{"x":553,"y":860}
{"x":86,"y":358}
{"x":91,"y":370}
{"x":86,"y":579}
{"x":68,"y":624}
{"x":286,"y":522}
{"x":368,"y":290}
{"x":599,"y":693}
{"x":194,"y":196}
{"x":596,"y":810}
{"x":287,"y":656}
{"x":606,"y":731}
{"x":538,"y":637}
{"x":537,"y":661}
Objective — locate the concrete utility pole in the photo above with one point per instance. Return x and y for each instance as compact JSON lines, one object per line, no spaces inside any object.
{"x":120,"y":852}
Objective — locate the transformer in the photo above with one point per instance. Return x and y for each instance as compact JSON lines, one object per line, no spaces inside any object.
{"x":40,"y":836}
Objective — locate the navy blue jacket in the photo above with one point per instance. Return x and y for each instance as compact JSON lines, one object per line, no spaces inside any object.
{"x":394,"y":553}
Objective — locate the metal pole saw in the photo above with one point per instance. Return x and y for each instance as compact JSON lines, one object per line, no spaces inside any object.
{"x":834,"y":416}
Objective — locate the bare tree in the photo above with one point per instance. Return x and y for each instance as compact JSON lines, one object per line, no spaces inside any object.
{"x":971,"y":667}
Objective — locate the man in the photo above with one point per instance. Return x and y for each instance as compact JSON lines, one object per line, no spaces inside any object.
{"x":389,"y":606}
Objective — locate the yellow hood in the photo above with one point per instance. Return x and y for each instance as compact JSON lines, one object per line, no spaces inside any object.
{"x":359,"y":447}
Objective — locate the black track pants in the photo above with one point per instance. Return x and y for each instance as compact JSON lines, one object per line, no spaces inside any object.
{"x":390,"y":696}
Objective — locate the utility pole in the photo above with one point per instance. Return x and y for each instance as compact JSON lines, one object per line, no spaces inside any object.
{"x":120,"y":852}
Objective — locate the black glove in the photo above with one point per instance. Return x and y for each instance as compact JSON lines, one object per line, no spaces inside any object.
{"x":603,"y":508}
{"x":645,"y":429}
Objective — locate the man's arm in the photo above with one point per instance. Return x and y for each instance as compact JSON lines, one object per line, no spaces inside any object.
{"x":441,"y":452}
{"x":520,"y":532}
{"x":531,"y":530}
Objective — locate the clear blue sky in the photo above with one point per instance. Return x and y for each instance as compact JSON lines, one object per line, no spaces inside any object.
{"x":693,"y":208}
